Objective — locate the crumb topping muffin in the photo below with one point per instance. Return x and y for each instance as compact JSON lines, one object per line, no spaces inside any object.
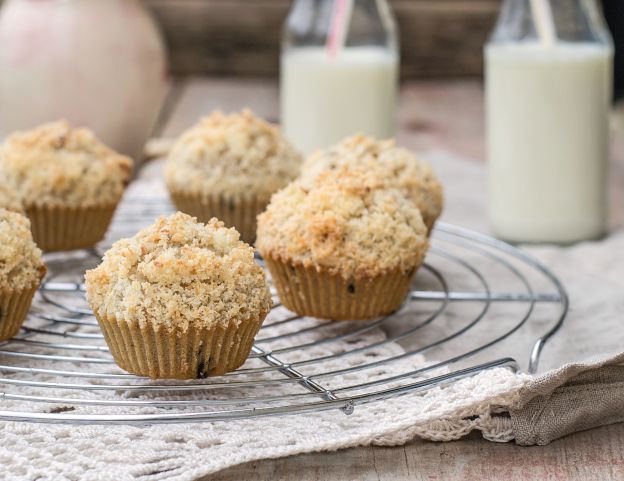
{"x":9,"y":199}
{"x":58,"y":165}
{"x":232,"y":154}
{"x":398,"y":166}
{"x":180,"y":274}
{"x":344,"y":222}
{"x":21,"y":266}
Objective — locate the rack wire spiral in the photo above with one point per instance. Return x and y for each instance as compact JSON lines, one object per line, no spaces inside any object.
{"x":471,"y":299}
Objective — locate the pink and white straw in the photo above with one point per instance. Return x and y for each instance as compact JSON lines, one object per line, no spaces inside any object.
{"x":339,"y":27}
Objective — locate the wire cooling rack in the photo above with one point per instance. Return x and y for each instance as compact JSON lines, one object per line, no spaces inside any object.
{"x":477,"y":304}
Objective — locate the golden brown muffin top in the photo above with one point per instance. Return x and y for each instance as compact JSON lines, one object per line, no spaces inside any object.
{"x":399,"y":167}
{"x":234,"y":154}
{"x":345,"y":222}
{"x":179,"y":273}
{"x":21,"y":265}
{"x":9,"y":199}
{"x":57,"y":165}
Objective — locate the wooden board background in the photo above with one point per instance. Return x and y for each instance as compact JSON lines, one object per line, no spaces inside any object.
{"x":440,"y":38}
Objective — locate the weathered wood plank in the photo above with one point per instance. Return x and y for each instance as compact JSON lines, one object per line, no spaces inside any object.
{"x":239,"y":37}
{"x":444,"y":38}
{"x":596,"y":455}
{"x":200,"y":96}
{"x":221,"y":36}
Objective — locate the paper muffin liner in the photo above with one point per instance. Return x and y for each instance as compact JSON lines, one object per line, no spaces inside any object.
{"x":14,"y":306}
{"x":59,"y":228}
{"x":430,"y":222}
{"x":235,"y":211}
{"x":154,"y":351}
{"x":309,"y":292}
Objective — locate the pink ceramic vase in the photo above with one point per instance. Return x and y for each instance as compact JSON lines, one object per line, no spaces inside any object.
{"x":97,"y":63}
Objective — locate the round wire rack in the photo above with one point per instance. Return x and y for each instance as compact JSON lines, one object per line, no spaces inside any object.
{"x":477,"y":303}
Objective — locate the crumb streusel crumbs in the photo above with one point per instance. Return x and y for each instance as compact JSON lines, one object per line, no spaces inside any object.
{"x":55,"y":164}
{"x":400,"y":168}
{"x":177,"y":273}
{"x":232,"y":154}
{"x":9,"y":199}
{"x":345,"y":221}
{"x":21,"y":265}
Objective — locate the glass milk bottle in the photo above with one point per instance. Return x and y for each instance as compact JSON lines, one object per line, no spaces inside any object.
{"x":339,"y":71}
{"x":548,"y":92}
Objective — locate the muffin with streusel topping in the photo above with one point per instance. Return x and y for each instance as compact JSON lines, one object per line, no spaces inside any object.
{"x":21,"y":271}
{"x":344,"y":246}
{"x":227,"y":166}
{"x":9,"y":199}
{"x":69,"y":183}
{"x":179,"y":300}
{"x":399,"y":167}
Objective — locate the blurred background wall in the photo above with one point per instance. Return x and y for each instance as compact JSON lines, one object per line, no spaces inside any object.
{"x":440,"y":38}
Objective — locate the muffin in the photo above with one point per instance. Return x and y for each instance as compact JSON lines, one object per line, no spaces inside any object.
{"x":179,"y":300}
{"x":344,"y":247}
{"x":9,"y":199}
{"x":227,"y":166}
{"x":401,"y":169}
{"x":68,"y":182}
{"x":21,"y":271}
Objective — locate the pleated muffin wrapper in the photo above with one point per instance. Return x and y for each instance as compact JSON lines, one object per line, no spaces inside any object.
{"x":158,"y":352}
{"x":63,"y":228}
{"x":14,"y":306}
{"x":239,"y":211}
{"x":311,"y":292}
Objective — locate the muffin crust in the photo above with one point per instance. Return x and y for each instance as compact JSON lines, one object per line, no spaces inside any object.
{"x":57,"y":165}
{"x":179,"y":273}
{"x":232,"y":154}
{"x":9,"y":199}
{"x":347,"y":222}
{"x":397,"y":166}
{"x":21,"y":265}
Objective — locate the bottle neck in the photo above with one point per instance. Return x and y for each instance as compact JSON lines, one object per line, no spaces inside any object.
{"x":369,"y":23}
{"x":569,"y":20}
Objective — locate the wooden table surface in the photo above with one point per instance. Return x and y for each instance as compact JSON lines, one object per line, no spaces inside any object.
{"x":432,"y":115}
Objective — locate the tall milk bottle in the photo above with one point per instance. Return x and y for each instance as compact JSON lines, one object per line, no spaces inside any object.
{"x":339,"y":72}
{"x":547,"y":107}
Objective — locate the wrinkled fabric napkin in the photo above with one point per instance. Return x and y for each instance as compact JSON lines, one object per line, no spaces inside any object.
{"x":576,"y":397}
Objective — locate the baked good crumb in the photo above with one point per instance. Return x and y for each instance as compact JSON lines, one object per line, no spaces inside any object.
{"x":232,"y":154}
{"x":9,"y":199}
{"x":21,"y":265}
{"x":179,"y":273}
{"x":399,"y":167}
{"x":56,"y":164}
{"x":345,"y":221}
